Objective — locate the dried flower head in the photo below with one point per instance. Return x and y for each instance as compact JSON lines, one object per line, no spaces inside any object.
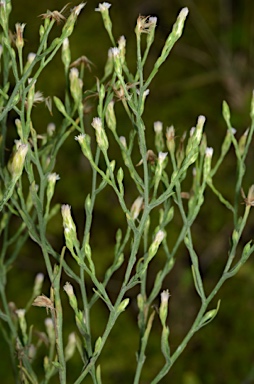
{"x":145,"y":24}
{"x":150,"y":156}
{"x":83,"y":60}
{"x":55,"y":15}
{"x":249,"y":200}
{"x":43,"y":301}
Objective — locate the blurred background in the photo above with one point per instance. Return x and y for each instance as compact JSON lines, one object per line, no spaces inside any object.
{"x":212,"y":62}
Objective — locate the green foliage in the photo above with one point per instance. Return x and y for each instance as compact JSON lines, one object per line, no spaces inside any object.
{"x":150,"y":196}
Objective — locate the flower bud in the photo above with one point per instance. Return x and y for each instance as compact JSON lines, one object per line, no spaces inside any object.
{"x":117,"y":61}
{"x":121,"y":307}
{"x":19,"y":35}
{"x":163,"y":311}
{"x":103,"y":8}
{"x":207,"y":162}
{"x":158,"y":129}
{"x":16,"y":164}
{"x":160,"y":235}
{"x":39,"y":278}
{"x":76,"y":85}
{"x":70,"y":232}
{"x":22,"y":323}
{"x":242,"y":142}
{"x":170,"y":136}
{"x":136,"y":207}
{"x":101,"y":137}
{"x":68,"y":288}
{"x":50,"y":329}
{"x":70,"y":347}
{"x":52,"y":179}
{"x":109,"y":66}
{"x":110,"y":116}
{"x":70,"y":22}
{"x":84,"y":141}
{"x":122,"y":48}
{"x":66,"y":53}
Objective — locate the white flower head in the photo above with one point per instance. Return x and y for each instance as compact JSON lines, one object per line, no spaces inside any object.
{"x":157,"y":126}
{"x":30,"y":57}
{"x":80,"y":137}
{"x":115,"y":52}
{"x":162,"y":156}
{"x":102,"y":7}
{"x":164,"y":296}
{"x":209,"y":152}
{"x":159,"y":236}
{"x":97,"y":123}
{"x":152,"y":20}
{"x":123,"y":141}
{"x":76,"y":10}
{"x":68,"y":289}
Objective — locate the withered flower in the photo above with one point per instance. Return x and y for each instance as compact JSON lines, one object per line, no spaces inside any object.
{"x":55,"y":15}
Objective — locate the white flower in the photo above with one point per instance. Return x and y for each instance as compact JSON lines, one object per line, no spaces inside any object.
{"x":152,"y":20}
{"x":80,"y":137}
{"x":209,"y":152}
{"x":78,"y":8}
{"x":103,"y":7}
{"x":31,"y":56}
{"x":68,"y":289}
{"x":20,"y":313}
{"x":96,"y":123}
{"x":123,"y":141}
{"x":164,"y":297}
{"x":115,"y":52}
{"x":162,"y":156}
{"x":136,"y":207}
{"x":159,"y":237}
{"x":53,"y":177}
{"x":157,"y":126}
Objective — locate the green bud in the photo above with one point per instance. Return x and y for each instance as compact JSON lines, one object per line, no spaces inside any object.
{"x":136,"y":207}
{"x":50,"y":330}
{"x":163,"y":311}
{"x":88,"y":203}
{"x":22,"y":323}
{"x":110,"y":116}
{"x":66,"y":54}
{"x":120,"y":176}
{"x":160,"y":235}
{"x":109,"y":66}
{"x":76,"y":85}
{"x":59,"y":105}
{"x":52,"y":179}
{"x":226,"y":113}
{"x":70,"y":347}
{"x":170,"y":136}
{"x":16,"y":164}
{"x":101,"y":137}
{"x":19,"y":35}
{"x":242,"y":142}
{"x":121,"y":307}
{"x":207,"y":162}
{"x":103,"y":8}
{"x":84,"y":141}
{"x":38,"y":284}
{"x":68,"y":288}
{"x":97,"y":346}
{"x":70,"y":232}
{"x":159,"y":140}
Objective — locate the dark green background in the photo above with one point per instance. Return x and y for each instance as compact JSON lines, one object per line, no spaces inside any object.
{"x":213,"y":61}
